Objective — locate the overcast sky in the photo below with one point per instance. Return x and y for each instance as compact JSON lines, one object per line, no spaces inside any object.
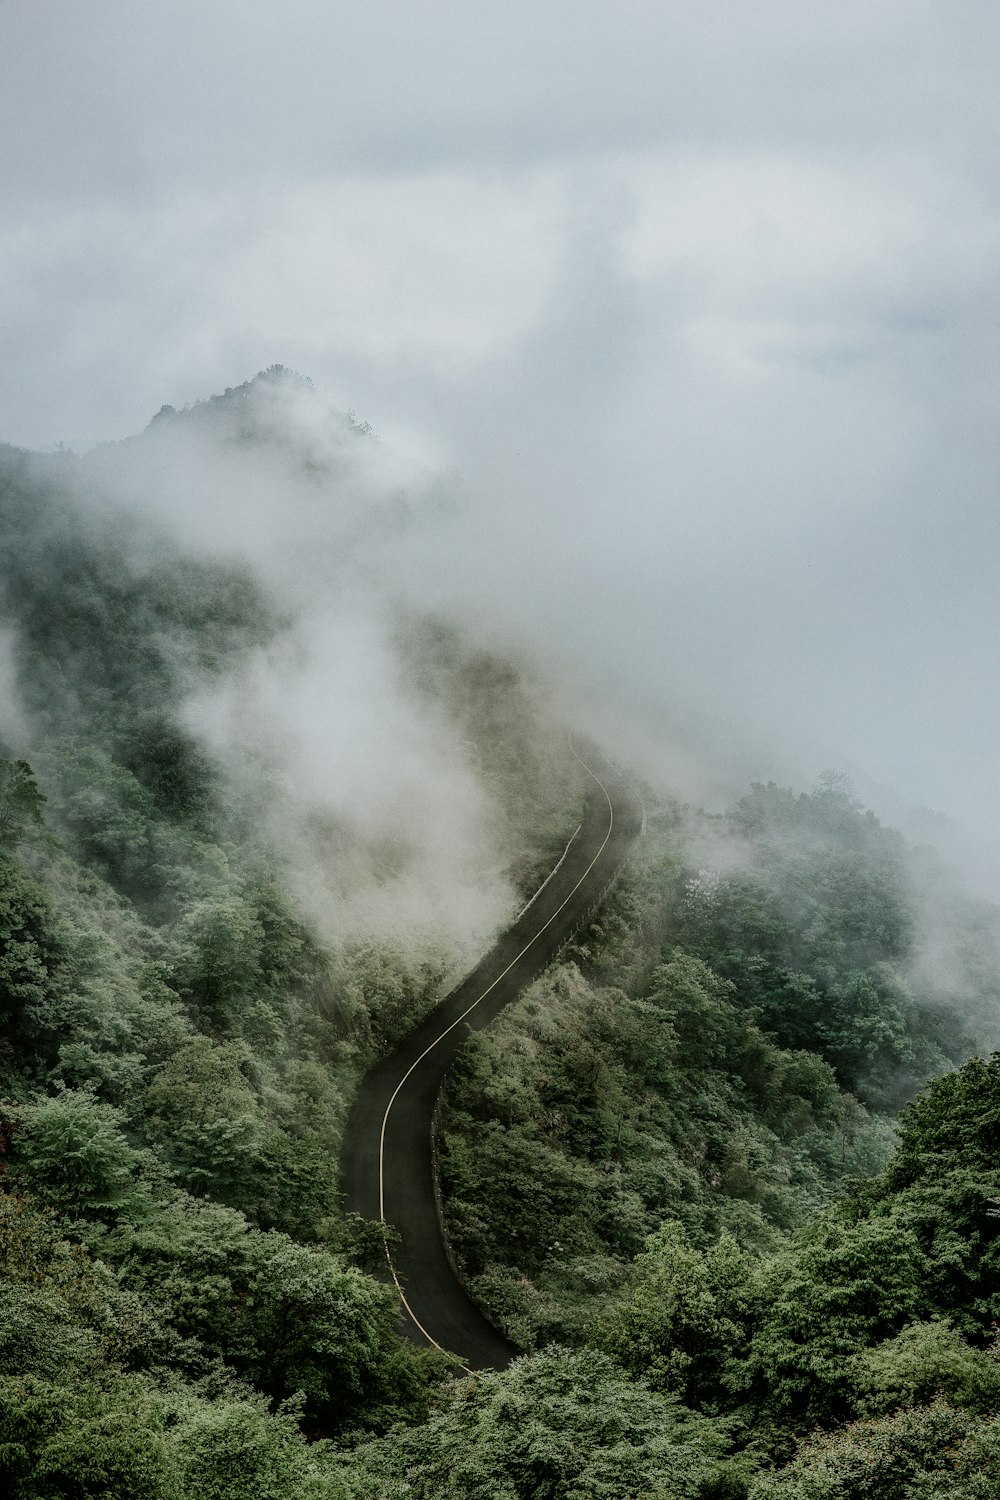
{"x":696,"y":302}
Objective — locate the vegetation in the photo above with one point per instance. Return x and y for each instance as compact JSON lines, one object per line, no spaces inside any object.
{"x":728,"y":1174}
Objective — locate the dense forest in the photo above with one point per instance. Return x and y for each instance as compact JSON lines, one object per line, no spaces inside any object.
{"x":729,"y":1174}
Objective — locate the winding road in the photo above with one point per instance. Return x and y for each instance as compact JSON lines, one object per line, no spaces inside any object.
{"x":388,"y":1164}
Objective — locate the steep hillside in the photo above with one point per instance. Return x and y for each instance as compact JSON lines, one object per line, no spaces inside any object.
{"x":259,"y":807}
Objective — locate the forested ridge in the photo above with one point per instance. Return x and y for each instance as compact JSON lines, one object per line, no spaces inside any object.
{"x":729,"y":1174}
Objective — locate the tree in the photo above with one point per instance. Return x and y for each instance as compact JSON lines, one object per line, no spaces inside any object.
{"x":109,"y":817}
{"x":71,"y":1150}
{"x":20,"y":800}
{"x":865,"y":1025}
{"x":221,"y":940}
{"x":287,"y":1317}
{"x":932,"y":1452}
{"x":86,"y":1440}
{"x":842,"y":1287}
{"x":204,"y":1120}
{"x":33,"y":951}
{"x":923,"y":1362}
{"x":234,"y":1447}
{"x":683,"y":1317}
{"x":560,"y":1425}
{"x":954,"y":1121}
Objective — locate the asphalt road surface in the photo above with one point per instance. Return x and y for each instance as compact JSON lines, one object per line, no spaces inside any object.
{"x":388,"y":1167}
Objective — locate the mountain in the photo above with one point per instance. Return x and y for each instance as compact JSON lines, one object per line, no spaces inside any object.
{"x":727,"y":1173}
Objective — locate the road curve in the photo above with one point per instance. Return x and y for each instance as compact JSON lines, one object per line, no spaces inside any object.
{"x":388,"y":1169}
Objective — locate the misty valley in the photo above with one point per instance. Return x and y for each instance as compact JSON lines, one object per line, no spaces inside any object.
{"x":724,"y":1177}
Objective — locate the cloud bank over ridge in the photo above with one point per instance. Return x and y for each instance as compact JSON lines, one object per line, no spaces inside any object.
{"x":697,"y":309}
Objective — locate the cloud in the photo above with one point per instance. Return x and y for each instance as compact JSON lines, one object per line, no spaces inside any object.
{"x":355,"y":753}
{"x":187,"y":94}
{"x":695,"y":306}
{"x":14,"y":732}
{"x":377,"y":806}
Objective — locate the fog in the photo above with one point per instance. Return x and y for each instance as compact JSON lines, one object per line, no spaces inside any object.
{"x":369,"y":795}
{"x":677,"y":327}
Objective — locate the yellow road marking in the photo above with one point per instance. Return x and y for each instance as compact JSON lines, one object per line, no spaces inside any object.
{"x":413,"y":1066}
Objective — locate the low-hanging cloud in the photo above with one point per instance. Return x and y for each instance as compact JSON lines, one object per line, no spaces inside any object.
{"x":363,"y":782}
{"x":696,"y":311}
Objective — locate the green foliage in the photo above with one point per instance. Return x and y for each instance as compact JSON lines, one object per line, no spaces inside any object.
{"x":682,"y":1315}
{"x":112,"y":621}
{"x":562,"y":1425}
{"x":38,"y":1335}
{"x":923,"y":1362}
{"x":841,"y":1288}
{"x":34,"y":1252}
{"x":960,"y":1240}
{"x":124,"y":1437}
{"x":33,"y":954}
{"x":275,"y":1158}
{"x":207,"y":1124}
{"x":66,"y":1315}
{"x":221,"y":944}
{"x":928,"y":1453}
{"x":82,"y":1412}
{"x":235,"y":1447}
{"x":587,"y":1116}
{"x":633,"y":1158}
{"x":815,"y":928}
{"x":20,"y":801}
{"x":954,"y":1122}
{"x":107,"y":814}
{"x":72,"y":1152}
{"x":57,"y":1440}
{"x":203,"y":1117}
{"x":286,"y":1317}
{"x":386,"y":992}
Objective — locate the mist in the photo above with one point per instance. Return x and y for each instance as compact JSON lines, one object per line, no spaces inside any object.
{"x":678,"y":336}
{"x":235,"y":582}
